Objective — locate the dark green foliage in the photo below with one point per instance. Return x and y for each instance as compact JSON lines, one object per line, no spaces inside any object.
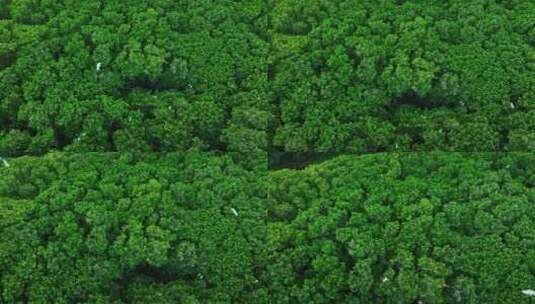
{"x":109,"y":227}
{"x":89,"y":76}
{"x":366,"y":76}
{"x":279,"y":160}
{"x":385,"y":228}
{"x":196,"y":228}
{"x":345,"y":75}
{"x":145,"y":149}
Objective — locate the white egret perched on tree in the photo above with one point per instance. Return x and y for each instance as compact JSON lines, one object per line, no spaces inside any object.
{"x":530,"y":293}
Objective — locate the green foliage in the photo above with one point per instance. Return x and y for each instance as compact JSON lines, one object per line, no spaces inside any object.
{"x":90,"y":74}
{"x":111,"y":227}
{"x":135,"y":135}
{"x":194,"y":228}
{"x":346,"y":75}
{"x":402,"y":228}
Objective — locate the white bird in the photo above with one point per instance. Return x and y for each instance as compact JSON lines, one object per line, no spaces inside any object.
{"x":4,"y":162}
{"x":98,"y":66}
{"x":529,"y":292}
{"x":385,"y":279}
{"x":512,"y":105}
{"x":234,"y":211}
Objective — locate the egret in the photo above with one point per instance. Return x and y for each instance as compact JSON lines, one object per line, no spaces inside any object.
{"x":529,"y":292}
{"x":234,"y":211}
{"x":4,"y":161}
{"x":98,"y":66}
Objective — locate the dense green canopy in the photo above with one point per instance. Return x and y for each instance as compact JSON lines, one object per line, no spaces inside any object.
{"x":108,"y":227}
{"x":311,"y":75}
{"x":362,"y":75}
{"x":259,"y":151}
{"x":197,"y":228}
{"x":130,"y":75}
{"x":387,"y":228}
